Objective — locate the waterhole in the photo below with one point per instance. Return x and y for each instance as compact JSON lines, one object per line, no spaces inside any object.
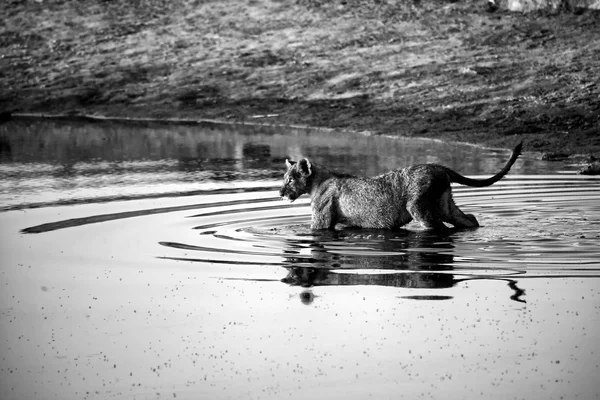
{"x":189,"y":218}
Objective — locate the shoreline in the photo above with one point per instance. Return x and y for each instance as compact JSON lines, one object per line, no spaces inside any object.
{"x":219,"y":122}
{"x":456,"y":72}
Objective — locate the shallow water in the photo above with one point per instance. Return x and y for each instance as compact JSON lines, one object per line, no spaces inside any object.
{"x":157,"y":261}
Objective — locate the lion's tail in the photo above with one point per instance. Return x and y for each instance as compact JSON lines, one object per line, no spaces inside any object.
{"x":463,"y":180}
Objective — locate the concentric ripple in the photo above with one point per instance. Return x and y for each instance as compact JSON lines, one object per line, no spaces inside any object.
{"x":531,"y":226}
{"x":219,"y":185}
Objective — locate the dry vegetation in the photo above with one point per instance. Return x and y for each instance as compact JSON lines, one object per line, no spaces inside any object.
{"x":450,"y":70}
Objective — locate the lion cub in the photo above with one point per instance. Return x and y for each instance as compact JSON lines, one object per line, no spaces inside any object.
{"x":388,"y":201}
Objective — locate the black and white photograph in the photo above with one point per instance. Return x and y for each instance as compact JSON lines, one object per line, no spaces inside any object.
{"x":292,"y":199}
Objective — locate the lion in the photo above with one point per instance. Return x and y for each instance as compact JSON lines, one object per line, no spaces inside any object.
{"x":420,"y":192}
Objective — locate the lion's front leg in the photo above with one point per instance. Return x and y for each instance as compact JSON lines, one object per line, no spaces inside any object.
{"x":323,"y":214}
{"x":322,"y":221}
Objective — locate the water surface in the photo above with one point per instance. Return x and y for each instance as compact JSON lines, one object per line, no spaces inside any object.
{"x":157,"y":261}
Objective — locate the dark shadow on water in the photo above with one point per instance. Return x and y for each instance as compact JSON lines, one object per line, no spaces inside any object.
{"x":309,"y":277}
{"x":360,"y":257}
{"x":423,"y":260}
{"x":380,"y":249}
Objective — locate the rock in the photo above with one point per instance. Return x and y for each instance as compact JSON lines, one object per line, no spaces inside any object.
{"x":576,"y":6}
{"x":492,"y":5}
{"x":554,"y":156}
{"x":591,"y":169}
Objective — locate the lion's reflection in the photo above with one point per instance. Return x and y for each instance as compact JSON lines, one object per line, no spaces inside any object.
{"x":308,"y":277}
{"x":404,"y":259}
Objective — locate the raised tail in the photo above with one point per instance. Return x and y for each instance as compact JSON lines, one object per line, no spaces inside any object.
{"x":463,"y":180}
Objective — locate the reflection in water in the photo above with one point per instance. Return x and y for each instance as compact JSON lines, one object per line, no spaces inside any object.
{"x":307,"y":297}
{"x":207,"y":276}
{"x":204,"y":275}
{"x":531,"y":225}
{"x":308,"y":277}
{"x":381,"y":249}
{"x":354,"y":257}
{"x":45,"y":162}
{"x":414,"y":260}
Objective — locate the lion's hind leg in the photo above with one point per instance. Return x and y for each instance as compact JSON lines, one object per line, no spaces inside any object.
{"x":426,"y":213}
{"x":453,"y":215}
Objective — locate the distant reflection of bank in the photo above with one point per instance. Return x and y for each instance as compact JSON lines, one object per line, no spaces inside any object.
{"x":43,"y":160}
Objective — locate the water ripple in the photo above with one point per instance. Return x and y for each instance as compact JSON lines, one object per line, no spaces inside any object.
{"x":531,"y":227}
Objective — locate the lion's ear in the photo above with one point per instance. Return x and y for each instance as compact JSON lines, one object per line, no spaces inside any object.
{"x":289,"y":163}
{"x":305,"y":167}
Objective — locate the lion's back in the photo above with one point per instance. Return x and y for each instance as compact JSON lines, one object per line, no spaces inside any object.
{"x":372,"y":202}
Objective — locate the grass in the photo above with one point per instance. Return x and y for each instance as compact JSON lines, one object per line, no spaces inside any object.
{"x":453,"y":71}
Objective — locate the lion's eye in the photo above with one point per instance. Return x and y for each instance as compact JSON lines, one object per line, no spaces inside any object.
{"x":290,"y":180}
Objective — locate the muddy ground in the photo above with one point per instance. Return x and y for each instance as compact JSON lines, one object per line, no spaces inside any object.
{"x":447,"y":70}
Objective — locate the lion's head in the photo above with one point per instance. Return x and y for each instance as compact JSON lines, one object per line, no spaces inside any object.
{"x":297,"y":179}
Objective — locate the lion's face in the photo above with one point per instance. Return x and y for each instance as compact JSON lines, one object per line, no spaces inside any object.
{"x":297,"y":179}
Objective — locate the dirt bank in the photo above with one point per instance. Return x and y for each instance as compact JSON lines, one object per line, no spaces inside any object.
{"x":455,"y":71}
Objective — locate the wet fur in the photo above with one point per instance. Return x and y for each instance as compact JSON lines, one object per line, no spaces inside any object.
{"x":389,"y":201}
